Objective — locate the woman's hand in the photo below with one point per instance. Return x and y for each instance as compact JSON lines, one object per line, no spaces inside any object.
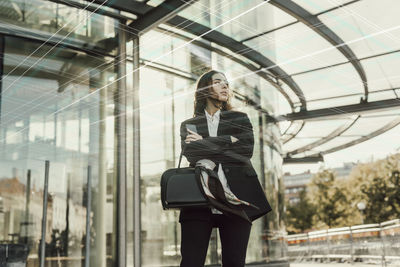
{"x":234,"y":139}
{"x":192,"y":136}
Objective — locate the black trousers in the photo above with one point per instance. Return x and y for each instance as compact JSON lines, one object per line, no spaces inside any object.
{"x":234,"y":233}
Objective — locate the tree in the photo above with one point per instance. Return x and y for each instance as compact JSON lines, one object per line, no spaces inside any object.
{"x":377,"y":184}
{"x":329,"y":196}
{"x":383,"y":198}
{"x":332,"y":202}
{"x":299,"y":217}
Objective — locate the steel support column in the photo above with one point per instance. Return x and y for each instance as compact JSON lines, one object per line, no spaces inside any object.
{"x":42,"y":254}
{"x":120,"y":128}
{"x":2,"y":44}
{"x":137,"y":253}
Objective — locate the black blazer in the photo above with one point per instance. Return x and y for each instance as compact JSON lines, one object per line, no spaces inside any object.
{"x":234,"y":157}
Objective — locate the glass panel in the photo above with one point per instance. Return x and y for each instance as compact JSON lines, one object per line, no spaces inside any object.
{"x":246,"y":83}
{"x":157,"y":47}
{"x":264,"y":18}
{"x":382,"y":71}
{"x":279,"y":100}
{"x":200,"y":11}
{"x":245,"y":13}
{"x":293,"y":130}
{"x":283,"y":105}
{"x":386,"y":113}
{"x":235,"y":18}
{"x":335,"y":81}
{"x":375,"y":148}
{"x":297,"y":48}
{"x":375,"y":74}
{"x":364,"y":126}
{"x":370,"y":27}
{"x":320,"y":128}
{"x":21,"y":200}
{"x":64,"y":115}
{"x":298,"y":142}
{"x":340,"y":140}
{"x":376,"y":96}
{"x":66,"y":22}
{"x":290,"y":93}
{"x":165,"y":102}
{"x":334,"y":102}
{"x":315,"y":6}
{"x":312,"y":132}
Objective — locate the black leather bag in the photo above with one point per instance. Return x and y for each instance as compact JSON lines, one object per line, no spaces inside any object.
{"x":181,"y":188}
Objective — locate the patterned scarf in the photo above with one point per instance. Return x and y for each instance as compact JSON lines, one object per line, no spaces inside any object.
{"x":220,"y":197}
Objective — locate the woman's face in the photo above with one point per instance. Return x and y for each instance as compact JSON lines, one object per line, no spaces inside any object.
{"x":220,"y":87}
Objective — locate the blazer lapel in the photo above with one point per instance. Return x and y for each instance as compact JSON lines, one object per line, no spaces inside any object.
{"x":202,"y":127}
{"x":223,"y":125}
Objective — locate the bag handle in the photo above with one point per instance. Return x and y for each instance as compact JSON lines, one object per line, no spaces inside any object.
{"x":180,"y":156}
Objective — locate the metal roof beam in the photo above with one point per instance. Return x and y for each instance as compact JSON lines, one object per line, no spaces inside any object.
{"x":293,"y":135}
{"x":337,"y":132}
{"x":346,"y":62}
{"x":290,"y":24}
{"x":134,"y":7}
{"x":314,"y":23}
{"x":237,"y":47}
{"x":160,"y":14}
{"x":382,"y":130}
{"x":91,"y":8}
{"x":247,"y":65}
{"x":304,"y":160}
{"x":150,"y":17}
{"x":360,"y":108}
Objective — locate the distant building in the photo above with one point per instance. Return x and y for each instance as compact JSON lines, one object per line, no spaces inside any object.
{"x":295,"y":183}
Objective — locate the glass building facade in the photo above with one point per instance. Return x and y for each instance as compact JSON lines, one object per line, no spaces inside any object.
{"x":92,"y":94}
{"x":87,"y":126}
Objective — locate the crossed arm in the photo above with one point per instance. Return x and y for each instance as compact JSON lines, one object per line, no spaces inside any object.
{"x":220,"y":149}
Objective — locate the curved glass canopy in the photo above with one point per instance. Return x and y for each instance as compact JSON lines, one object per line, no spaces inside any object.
{"x":334,"y":62}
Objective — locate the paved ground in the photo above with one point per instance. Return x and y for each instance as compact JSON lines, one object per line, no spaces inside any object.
{"x":306,"y":264}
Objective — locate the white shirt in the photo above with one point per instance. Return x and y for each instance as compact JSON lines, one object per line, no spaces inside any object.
{"x":213,"y":122}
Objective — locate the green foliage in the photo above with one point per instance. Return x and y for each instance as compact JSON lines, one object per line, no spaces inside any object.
{"x":332,"y":202}
{"x":382,"y":196}
{"x":330,"y":199}
{"x":300,"y":215}
{"x":377,"y":184}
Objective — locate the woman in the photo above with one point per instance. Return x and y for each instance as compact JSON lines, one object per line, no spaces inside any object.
{"x":226,"y":138}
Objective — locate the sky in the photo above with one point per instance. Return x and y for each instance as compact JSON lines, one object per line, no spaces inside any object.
{"x":376,"y":148}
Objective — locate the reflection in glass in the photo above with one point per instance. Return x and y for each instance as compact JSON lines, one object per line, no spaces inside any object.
{"x":55,"y":111}
{"x":68,"y":23}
